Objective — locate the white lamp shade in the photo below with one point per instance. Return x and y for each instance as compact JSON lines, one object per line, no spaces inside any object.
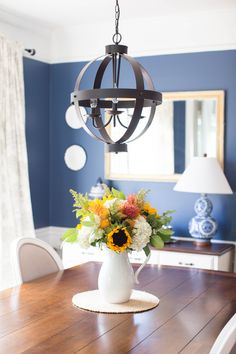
{"x":203,"y":175}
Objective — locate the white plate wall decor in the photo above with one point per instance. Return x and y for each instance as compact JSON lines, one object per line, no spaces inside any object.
{"x":75,"y":157}
{"x":72,"y":119}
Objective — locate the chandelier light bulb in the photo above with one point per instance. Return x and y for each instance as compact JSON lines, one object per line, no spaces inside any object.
{"x":93,"y":103}
{"x":115,"y":100}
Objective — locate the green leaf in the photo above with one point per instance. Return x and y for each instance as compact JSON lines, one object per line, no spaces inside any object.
{"x":70,"y":235}
{"x":78,"y":213}
{"x":117,"y":194}
{"x":157,"y":242}
{"x":87,"y":223}
{"x":156,"y":223}
{"x":146,"y":250}
{"x":165,"y":238}
{"x":167,"y":212}
{"x":165,"y":220}
{"x":165,"y":232}
{"x":91,"y":217}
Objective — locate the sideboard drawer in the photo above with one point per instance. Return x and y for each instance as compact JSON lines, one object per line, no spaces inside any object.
{"x":186,"y":260}
{"x":139,"y":257}
{"x":73,"y":254}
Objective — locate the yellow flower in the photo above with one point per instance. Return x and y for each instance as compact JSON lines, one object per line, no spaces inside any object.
{"x":119,"y":239}
{"x":149,"y":209}
{"x":78,"y":226}
{"x":104,"y":223}
{"x":96,"y":206}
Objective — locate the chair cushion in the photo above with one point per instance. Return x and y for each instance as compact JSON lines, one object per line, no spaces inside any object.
{"x":35,"y":262}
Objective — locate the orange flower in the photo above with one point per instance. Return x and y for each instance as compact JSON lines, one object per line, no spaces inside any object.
{"x":96,"y":206}
{"x":104,"y":223}
{"x":131,"y":223}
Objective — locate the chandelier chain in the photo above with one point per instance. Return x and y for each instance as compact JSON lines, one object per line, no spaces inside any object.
{"x":117,"y":36}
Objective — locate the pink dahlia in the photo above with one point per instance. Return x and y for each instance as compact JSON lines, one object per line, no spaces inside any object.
{"x":131,"y":210}
{"x":132,"y":199}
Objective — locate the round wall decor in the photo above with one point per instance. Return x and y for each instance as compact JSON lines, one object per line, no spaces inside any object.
{"x":75,"y":157}
{"x":72,"y":119}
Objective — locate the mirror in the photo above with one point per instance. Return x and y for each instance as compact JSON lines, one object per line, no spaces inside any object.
{"x":187,"y":124}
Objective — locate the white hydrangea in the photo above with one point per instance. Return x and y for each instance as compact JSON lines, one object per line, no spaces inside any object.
{"x":141,"y":234}
{"x":95,"y":235}
{"x":108,"y":203}
{"x":84,"y":235}
{"x":87,"y":234}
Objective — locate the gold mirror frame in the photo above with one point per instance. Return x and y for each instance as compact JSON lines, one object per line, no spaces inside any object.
{"x":180,"y":96}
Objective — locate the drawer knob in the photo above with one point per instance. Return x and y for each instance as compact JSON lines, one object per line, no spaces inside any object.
{"x":187,"y":264}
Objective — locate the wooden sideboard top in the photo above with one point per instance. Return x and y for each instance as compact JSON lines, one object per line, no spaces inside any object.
{"x":215,"y":249}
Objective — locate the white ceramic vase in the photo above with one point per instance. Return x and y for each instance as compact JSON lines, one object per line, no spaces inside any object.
{"x":116,"y":277}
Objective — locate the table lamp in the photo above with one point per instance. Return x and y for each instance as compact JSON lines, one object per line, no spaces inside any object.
{"x":205,"y":176}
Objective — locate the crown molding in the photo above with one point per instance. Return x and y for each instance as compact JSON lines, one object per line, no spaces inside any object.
{"x":31,"y":34}
{"x":155,"y":36}
{"x":26,"y":23}
{"x":173,"y":34}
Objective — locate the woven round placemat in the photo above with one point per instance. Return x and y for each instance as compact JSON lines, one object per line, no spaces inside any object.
{"x":139,"y":301}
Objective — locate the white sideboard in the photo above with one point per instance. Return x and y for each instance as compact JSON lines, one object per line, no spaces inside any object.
{"x":217,"y":256}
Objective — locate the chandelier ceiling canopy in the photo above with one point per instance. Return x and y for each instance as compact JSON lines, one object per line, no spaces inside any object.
{"x":105,"y":106}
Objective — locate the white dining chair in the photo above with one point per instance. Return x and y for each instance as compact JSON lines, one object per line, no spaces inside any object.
{"x":33,"y":258}
{"x":226,"y":339}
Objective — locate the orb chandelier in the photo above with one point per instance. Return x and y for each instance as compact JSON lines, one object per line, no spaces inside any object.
{"x":105,"y":106}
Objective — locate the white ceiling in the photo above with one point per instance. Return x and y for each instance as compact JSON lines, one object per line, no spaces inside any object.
{"x":77,"y":30}
{"x":63,"y":13}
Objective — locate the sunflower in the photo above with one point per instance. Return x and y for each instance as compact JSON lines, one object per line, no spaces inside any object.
{"x":119,"y":239}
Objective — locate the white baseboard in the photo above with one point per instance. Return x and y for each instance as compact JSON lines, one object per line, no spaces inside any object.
{"x":52,"y":235}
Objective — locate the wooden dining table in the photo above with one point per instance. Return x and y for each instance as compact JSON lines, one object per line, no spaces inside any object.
{"x":38,"y":317}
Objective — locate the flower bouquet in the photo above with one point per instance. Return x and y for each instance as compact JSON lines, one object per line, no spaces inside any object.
{"x":119,"y":222}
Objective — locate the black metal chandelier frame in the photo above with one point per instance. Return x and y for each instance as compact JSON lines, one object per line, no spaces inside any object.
{"x":115,"y":99}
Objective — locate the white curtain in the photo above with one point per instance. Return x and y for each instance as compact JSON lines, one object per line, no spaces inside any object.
{"x":16,"y":218}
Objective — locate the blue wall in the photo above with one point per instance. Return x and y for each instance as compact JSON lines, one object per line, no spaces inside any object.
{"x":197,"y":71}
{"x":179,"y":136}
{"x":180,"y":72}
{"x":62,"y":79}
{"x":36,"y":76}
